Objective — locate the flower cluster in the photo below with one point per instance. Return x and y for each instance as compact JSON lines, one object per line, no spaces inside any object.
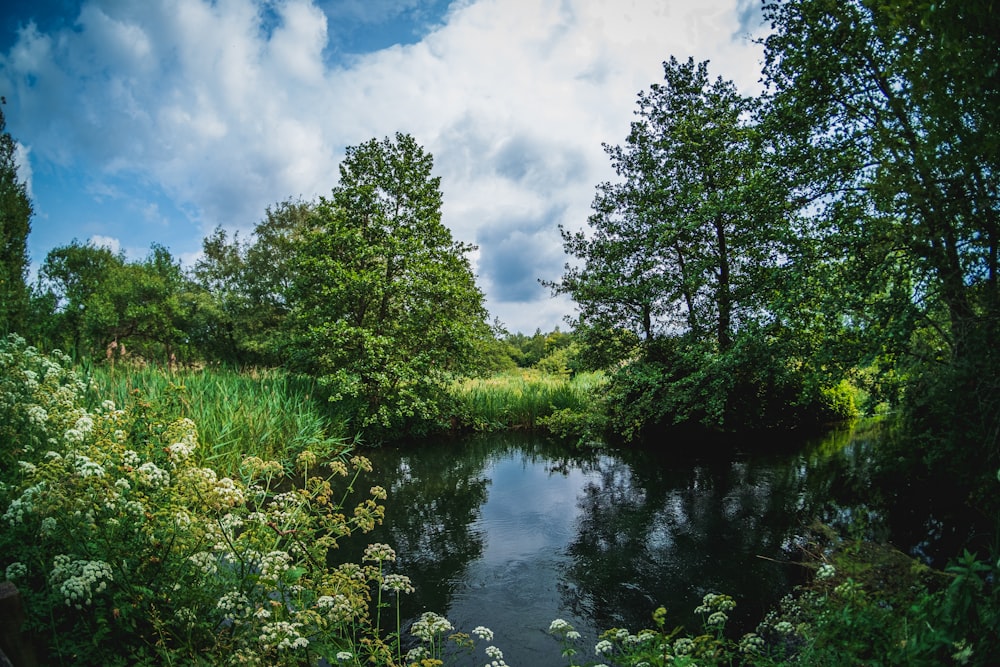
{"x":430,"y":626}
{"x":79,"y":580}
{"x":230,"y":568}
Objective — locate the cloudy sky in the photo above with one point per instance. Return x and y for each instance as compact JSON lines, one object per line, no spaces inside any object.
{"x":154,"y":121}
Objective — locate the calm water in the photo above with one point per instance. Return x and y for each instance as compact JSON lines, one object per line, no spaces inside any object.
{"x":512,"y":531}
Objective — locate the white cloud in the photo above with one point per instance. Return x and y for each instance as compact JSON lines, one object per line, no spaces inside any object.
{"x":111,"y":243}
{"x":513,"y":97}
{"x":22,"y":160}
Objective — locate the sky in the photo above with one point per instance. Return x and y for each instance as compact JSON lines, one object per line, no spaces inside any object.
{"x":156,"y":121}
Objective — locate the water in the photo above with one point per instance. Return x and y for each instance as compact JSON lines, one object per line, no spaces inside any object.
{"x":512,"y":531}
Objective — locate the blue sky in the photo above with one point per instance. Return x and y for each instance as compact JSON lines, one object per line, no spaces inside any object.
{"x":154,"y":121}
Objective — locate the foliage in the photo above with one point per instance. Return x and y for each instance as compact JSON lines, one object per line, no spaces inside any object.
{"x":684,"y":241}
{"x":129,"y":552}
{"x":679,"y":287}
{"x":679,"y":385}
{"x":15,"y":225}
{"x":660,"y":646}
{"x":882,"y":116}
{"x":871,"y":604}
{"x":525,"y":399}
{"x":250,"y":286}
{"x":105,"y":306}
{"x":386,"y":307}
{"x":271,"y":414}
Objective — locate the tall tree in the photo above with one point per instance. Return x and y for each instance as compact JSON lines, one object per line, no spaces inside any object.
{"x":887,"y":121}
{"x":885,"y":114}
{"x":15,"y":225}
{"x":681,"y":243}
{"x":385,"y":301}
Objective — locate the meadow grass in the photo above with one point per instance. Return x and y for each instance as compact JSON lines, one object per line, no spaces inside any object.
{"x":271,"y":414}
{"x":520,"y":399}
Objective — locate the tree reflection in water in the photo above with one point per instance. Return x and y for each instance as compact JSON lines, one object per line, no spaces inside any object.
{"x":511,"y":531}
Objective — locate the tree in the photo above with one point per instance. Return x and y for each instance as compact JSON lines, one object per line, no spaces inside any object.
{"x":385,"y":306}
{"x":104,"y":304}
{"x":886,"y":120}
{"x":250,"y":286}
{"x":15,"y":225}
{"x":71,"y":275}
{"x":681,"y":243}
{"x":683,"y":257}
{"x":884,"y":115}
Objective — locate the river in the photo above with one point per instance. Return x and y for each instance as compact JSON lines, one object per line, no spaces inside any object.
{"x":511,"y":531}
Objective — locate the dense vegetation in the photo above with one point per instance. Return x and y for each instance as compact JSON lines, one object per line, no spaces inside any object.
{"x":761,"y":263}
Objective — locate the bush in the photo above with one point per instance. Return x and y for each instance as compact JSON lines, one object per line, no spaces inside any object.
{"x":126,"y":551}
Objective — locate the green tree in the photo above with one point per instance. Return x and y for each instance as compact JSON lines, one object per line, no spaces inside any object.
{"x":884,"y":114}
{"x":70,"y":276}
{"x":683,"y":257}
{"x":681,"y":242}
{"x":385,"y":302}
{"x":250,"y":285}
{"x":142,"y":305}
{"x":15,"y":225}
{"x":102,"y":304}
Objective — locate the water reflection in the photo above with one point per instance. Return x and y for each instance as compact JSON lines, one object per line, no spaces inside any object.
{"x":512,"y":531}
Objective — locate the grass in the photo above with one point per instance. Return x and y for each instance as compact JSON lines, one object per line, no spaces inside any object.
{"x":271,"y":414}
{"x":520,"y":399}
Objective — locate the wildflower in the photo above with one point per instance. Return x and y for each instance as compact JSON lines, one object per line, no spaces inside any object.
{"x":784,"y":628}
{"x":826,"y":571}
{"x":49,"y":526}
{"x":683,"y":646}
{"x":378,"y":493}
{"x":344,"y":656}
{"x":306,"y":459}
{"x":717,"y":619}
{"x":361,"y":463}
{"x":494,"y":652}
{"x":153,"y":476}
{"x":379,"y":553}
{"x":430,"y":625}
{"x":398,"y":583}
{"x":483,"y":633}
{"x":559,"y":626}
{"x":234,"y":605}
{"x":603,"y":646}
{"x":206,"y":562}
{"x":80,"y":580}
{"x":751,"y":643}
{"x":16,"y":570}
{"x":337,"y":467}
{"x":37,"y":415}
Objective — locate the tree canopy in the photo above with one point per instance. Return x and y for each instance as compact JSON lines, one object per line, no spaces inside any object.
{"x":386,"y":307}
{"x":15,"y":225}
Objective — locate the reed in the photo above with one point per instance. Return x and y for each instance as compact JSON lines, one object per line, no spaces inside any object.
{"x":271,"y":414}
{"x":519,"y":399}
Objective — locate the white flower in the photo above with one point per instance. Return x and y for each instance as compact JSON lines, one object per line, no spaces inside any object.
{"x":483,"y":633}
{"x":717,"y":619}
{"x":826,"y":571}
{"x":430,"y":625}
{"x":603,"y":646}
{"x":16,"y":570}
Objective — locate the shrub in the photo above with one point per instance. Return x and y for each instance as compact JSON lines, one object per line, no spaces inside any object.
{"x":127,"y":551}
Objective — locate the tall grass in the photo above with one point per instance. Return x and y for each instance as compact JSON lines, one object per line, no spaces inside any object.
{"x":520,"y":399}
{"x":271,"y":414}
